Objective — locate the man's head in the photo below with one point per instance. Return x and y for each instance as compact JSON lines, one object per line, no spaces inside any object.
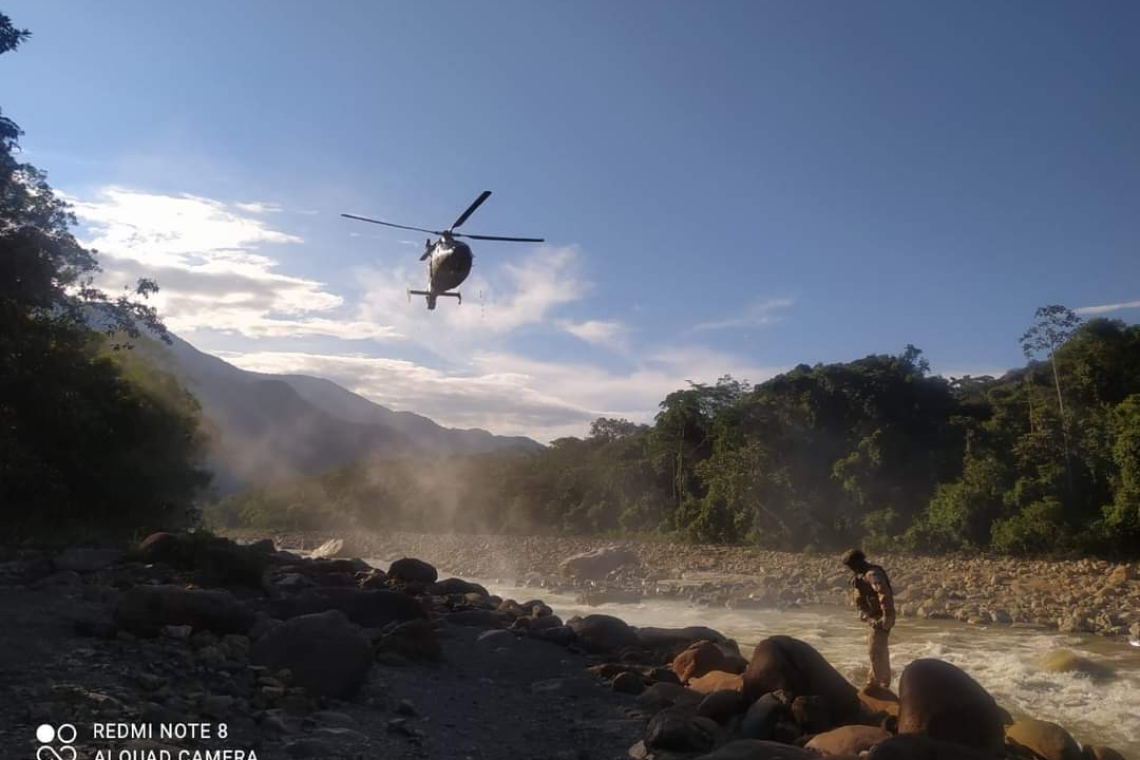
{"x":855,"y":560}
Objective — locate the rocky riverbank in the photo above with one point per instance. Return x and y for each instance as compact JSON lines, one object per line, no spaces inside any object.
{"x":1079,"y":596}
{"x":192,"y":647}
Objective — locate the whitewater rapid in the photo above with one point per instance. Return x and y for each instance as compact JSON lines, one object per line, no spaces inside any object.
{"x":1006,"y":661}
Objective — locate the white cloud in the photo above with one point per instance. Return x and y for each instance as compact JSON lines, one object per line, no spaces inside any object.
{"x":601,"y":332}
{"x":206,"y":257}
{"x":1106,"y":308}
{"x":258,"y":208}
{"x":757,"y":314}
{"x":511,"y":394}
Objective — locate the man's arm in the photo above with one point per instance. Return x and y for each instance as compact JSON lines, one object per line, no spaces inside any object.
{"x":886,"y":600}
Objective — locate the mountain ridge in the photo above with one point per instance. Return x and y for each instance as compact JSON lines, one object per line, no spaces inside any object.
{"x":267,"y":426}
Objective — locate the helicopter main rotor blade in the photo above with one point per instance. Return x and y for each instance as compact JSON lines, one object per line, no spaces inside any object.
{"x":497,"y":237}
{"x":389,"y":224}
{"x":471,"y":209}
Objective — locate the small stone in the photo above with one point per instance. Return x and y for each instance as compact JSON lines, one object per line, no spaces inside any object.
{"x":177,"y":632}
{"x":406,"y":708}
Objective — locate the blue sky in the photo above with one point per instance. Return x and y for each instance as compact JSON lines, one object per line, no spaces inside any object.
{"x":724,"y":187}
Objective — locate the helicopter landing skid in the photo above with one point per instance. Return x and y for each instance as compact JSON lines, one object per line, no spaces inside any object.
{"x":432,"y":296}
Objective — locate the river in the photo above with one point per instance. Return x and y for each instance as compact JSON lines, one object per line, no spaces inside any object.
{"x":1004,"y":660}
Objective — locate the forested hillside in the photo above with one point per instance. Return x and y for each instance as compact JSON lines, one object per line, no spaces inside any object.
{"x":1046,"y":458}
{"x":92,"y":440}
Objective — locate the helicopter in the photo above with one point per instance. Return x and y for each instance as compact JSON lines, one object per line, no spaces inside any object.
{"x":450,"y":259}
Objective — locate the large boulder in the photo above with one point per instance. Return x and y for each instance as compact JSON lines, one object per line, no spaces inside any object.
{"x":676,"y":729}
{"x":602,"y":633}
{"x":145,"y":610}
{"x":1047,"y":740}
{"x":940,"y":701}
{"x":411,"y":570}
{"x":215,"y":561}
{"x":721,"y":706}
{"x":371,"y":608}
{"x":457,"y":587}
{"x":704,"y":657}
{"x":762,"y":716}
{"x":661,"y":695}
{"x":596,"y":564}
{"x":754,"y":749}
{"x":848,"y":740}
{"x":667,"y":643}
{"x":915,"y":747}
{"x":325,"y":652}
{"x":167,"y":548}
{"x":783,"y":663}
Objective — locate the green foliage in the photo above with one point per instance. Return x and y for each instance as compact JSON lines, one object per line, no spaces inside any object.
{"x":874,"y":451}
{"x":91,"y":439}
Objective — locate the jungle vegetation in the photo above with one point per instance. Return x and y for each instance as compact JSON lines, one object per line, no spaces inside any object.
{"x":92,"y":439}
{"x":1042,"y":460}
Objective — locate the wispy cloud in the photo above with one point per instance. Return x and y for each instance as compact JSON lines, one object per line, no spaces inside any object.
{"x":1106,"y":308}
{"x":756,"y":315}
{"x":207,"y":257}
{"x":508,"y":393}
{"x":608,"y":333}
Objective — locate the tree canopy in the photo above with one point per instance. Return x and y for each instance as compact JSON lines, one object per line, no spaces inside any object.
{"x":875,"y":450}
{"x":91,"y":438}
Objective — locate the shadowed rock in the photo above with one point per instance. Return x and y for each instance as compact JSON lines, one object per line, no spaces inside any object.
{"x":938,"y":700}
{"x":326,"y":653}
{"x":602,"y":633}
{"x":371,"y":608}
{"x":788,"y":664}
{"x":411,"y":570}
{"x":144,"y":610}
{"x":595,"y":565}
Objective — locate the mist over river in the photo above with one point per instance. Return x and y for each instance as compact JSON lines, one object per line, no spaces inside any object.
{"x":1006,"y":661}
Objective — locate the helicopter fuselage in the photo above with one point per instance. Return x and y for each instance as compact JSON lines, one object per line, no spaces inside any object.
{"x":448,"y":265}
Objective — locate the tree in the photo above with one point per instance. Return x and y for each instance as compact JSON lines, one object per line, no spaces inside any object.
{"x":87,"y":441}
{"x":1053,"y":325}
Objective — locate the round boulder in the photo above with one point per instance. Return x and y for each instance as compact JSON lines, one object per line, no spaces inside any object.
{"x":721,"y":705}
{"x":602,"y":633}
{"x":325,"y":652}
{"x":595,"y":565}
{"x":938,"y":700}
{"x":1046,"y":740}
{"x":145,"y":610}
{"x":411,"y":570}
{"x":848,"y":740}
{"x":699,"y":659}
{"x":788,"y":664}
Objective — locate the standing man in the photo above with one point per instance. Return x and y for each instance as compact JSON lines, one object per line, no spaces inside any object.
{"x":876,"y":602}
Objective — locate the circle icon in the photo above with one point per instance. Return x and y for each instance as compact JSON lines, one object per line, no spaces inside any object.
{"x":45,"y":734}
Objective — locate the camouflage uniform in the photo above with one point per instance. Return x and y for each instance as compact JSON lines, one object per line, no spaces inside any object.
{"x":876,"y":603}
